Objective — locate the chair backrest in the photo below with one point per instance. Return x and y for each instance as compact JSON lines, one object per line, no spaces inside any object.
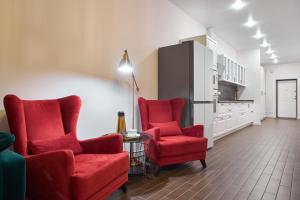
{"x":31,"y":120}
{"x":158,"y":111}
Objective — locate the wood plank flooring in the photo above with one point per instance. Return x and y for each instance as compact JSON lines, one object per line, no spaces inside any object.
{"x":258,"y":162}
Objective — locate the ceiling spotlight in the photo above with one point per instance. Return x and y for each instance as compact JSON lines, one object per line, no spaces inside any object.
{"x":258,"y":34}
{"x":273,"y":56}
{"x":238,"y":5}
{"x":250,"y":23}
{"x":269,"y":51}
{"x":265,"y":43}
{"x":275,"y":60}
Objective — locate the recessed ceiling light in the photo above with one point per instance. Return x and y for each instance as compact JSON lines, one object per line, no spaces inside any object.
{"x":275,"y":60}
{"x":269,"y":51}
{"x":250,"y":23}
{"x":258,"y":34}
{"x":273,"y":56}
{"x":265,"y":43}
{"x":238,"y":5}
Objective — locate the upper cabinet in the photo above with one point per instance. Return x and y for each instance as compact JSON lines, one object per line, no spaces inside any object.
{"x":212,"y":44}
{"x":230,"y":71}
{"x":209,"y":42}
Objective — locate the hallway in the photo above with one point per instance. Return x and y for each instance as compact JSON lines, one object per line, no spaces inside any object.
{"x":258,"y":162}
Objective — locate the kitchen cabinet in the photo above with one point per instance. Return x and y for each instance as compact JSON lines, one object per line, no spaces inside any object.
{"x":208,"y":42}
{"x":232,"y":117}
{"x":230,"y":71}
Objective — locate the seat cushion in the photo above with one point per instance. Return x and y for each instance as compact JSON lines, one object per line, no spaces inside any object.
{"x":167,"y":128}
{"x":160,"y":111}
{"x":94,"y":171}
{"x":67,"y":141}
{"x":180,"y":145}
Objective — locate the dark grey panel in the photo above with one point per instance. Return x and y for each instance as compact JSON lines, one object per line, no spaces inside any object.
{"x":175,"y":75}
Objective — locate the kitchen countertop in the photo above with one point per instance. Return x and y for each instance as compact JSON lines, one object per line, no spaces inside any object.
{"x":235,"y":101}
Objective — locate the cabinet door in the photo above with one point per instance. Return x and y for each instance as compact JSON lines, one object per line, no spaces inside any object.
{"x":251,"y":112}
{"x":236,"y":73}
{"x":221,"y":128}
{"x":243,"y":117}
{"x":228,"y":69}
{"x":244,"y":76}
{"x":221,"y":67}
{"x":222,"y":108}
{"x":213,"y":46}
{"x":235,"y":115}
{"x":216,"y":126}
{"x":231,"y":71}
{"x":223,"y":72}
{"x":224,"y":75}
{"x":233,"y":74}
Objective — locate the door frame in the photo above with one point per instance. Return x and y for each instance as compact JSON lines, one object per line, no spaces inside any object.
{"x":292,"y":79}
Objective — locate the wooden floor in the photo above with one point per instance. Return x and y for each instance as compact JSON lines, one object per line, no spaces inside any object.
{"x":258,"y":162}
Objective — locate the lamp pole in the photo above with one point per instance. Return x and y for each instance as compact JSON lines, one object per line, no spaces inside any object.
{"x":135,"y":87}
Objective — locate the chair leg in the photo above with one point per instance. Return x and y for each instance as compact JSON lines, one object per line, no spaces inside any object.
{"x":203,"y":163}
{"x":156,"y":170}
{"x":124,"y":187}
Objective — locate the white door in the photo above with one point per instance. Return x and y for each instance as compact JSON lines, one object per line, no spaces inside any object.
{"x":287,"y":98}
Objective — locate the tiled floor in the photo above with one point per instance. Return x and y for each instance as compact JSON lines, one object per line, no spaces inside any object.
{"x":258,"y":162}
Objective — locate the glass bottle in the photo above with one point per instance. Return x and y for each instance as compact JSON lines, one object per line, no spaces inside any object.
{"x":121,"y":127}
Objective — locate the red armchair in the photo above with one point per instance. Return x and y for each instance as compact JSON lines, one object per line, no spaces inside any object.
{"x":95,"y":173}
{"x":169,"y":143}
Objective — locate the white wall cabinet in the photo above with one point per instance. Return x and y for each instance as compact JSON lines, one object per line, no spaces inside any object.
{"x":230,"y":71}
{"x":231,"y":117}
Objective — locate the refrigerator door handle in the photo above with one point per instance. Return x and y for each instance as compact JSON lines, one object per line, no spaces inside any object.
{"x":215,"y":106}
{"x":203,"y":102}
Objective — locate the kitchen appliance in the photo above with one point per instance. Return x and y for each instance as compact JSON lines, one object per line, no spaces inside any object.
{"x":187,"y":70}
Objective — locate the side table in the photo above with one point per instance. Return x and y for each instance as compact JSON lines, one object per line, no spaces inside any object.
{"x":136,"y":153}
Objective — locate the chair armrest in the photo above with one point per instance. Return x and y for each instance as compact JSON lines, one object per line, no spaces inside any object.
{"x":48,"y":174}
{"x":103,"y":145}
{"x":194,"y":131}
{"x":151,"y":145}
{"x":6,"y":139}
{"x":153,"y":133}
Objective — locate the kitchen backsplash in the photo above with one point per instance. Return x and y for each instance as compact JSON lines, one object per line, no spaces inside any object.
{"x":227,"y":92}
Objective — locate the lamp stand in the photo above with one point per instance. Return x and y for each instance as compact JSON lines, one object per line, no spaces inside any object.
{"x":135,"y":87}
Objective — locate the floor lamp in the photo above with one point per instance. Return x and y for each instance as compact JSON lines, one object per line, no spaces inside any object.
{"x":125,"y":66}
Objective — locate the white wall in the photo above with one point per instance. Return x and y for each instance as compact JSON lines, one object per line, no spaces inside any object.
{"x":50,"y":49}
{"x":226,"y":49}
{"x":251,"y":60}
{"x":276,"y":72}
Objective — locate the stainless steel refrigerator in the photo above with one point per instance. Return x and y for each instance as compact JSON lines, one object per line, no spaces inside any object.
{"x":187,"y":70}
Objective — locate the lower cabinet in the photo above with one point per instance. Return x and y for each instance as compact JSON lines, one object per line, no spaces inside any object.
{"x":231,"y":117}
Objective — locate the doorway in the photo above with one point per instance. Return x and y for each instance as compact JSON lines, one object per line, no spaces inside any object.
{"x":286,"y":98}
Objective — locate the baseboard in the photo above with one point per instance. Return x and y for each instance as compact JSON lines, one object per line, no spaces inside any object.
{"x":270,"y":116}
{"x":232,"y":131}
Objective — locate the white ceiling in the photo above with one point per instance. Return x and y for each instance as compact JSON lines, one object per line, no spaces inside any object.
{"x":278,"y":19}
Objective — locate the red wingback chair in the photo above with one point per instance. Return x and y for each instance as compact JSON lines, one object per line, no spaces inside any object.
{"x":169,"y":143}
{"x":100,"y":169}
